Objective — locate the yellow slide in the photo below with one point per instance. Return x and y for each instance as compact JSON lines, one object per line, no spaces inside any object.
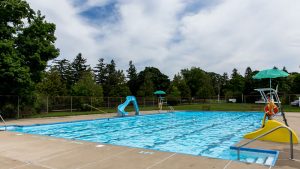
{"x":281,"y":135}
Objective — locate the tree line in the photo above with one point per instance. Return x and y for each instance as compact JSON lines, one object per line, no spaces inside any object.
{"x":80,"y":79}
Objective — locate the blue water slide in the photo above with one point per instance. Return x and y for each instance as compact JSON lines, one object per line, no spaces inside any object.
{"x":121,"y":107}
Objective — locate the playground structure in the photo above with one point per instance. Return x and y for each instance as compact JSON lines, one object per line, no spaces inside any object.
{"x":121,"y":107}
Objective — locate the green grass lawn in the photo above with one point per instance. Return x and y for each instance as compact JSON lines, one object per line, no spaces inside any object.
{"x":190,"y":107}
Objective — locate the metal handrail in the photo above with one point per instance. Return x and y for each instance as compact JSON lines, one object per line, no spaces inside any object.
{"x":3,"y":122}
{"x":171,"y":108}
{"x":94,"y":108}
{"x":262,"y":135}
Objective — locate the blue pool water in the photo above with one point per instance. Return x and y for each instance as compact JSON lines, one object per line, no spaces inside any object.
{"x":197,"y":133}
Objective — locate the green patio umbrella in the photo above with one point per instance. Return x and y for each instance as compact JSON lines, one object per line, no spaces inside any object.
{"x":270,"y":74}
{"x":159,"y":92}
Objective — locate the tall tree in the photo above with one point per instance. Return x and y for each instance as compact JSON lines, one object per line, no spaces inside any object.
{"x":147,"y":87}
{"x":115,"y":82}
{"x":236,"y":85}
{"x":249,"y":81}
{"x":296,"y":84}
{"x":198,"y":81}
{"x":65,"y":71}
{"x":52,"y":84}
{"x":100,"y":72}
{"x":79,"y":67}
{"x":26,"y":45}
{"x":160,"y":81}
{"x":216,"y":80}
{"x":132,"y":78}
{"x":180,"y":83}
{"x":86,"y":86}
{"x":173,"y":91}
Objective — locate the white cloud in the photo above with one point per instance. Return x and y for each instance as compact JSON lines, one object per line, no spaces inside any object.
{"x":219,"y":37}
{"x":73,"y":34}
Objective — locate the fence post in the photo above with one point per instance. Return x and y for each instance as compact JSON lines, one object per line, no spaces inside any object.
{"x":242,"y":98}
{"x":107,"y":102}
{"x":91,"y":103}
{"x":18,"y":116}
{"x":71,"y":104}
{"x":153,"y":101}
{"x":47,"y":104}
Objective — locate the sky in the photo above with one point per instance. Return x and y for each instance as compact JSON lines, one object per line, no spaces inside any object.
{"x":215,"y":35}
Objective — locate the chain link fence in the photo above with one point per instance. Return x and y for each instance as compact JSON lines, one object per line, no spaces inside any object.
{"x":13,"y":106}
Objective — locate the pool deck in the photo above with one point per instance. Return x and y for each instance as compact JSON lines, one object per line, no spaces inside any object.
{"x":25,"y":151}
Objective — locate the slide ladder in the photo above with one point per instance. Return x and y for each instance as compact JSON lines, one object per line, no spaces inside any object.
{"x":121,"y":107}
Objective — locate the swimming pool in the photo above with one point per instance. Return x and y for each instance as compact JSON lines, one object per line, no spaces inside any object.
{"x":197,"y":133}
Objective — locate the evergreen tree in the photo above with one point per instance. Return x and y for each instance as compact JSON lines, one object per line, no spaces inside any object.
{"x":132,"y":78}
{"x":236,"y":85}
{"x":65,"y":71}
{"x":249,"y":81}
{"x":78,"y":67}
{"x":100,"y":72}
{"x":115,"y":82}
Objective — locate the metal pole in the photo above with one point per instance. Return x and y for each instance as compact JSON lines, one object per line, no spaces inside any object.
{"x":47,"y":104}
{"x":107,"y":102}
{"x":91,"y":103}
{"x":271,"y":96}
{"x":242,"y":98}
{"x":71,"y":104}
{"x":153,"y":101}
{"x":291,"y":146}
{"x":18,"y":116}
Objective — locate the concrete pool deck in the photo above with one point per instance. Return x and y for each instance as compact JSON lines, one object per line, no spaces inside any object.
{"x":25,"y":151}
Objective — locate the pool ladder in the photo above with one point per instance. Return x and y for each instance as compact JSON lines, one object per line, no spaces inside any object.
{"x":271,"y":131}
{"x":171,"y":109}
{"x":3,"y":122}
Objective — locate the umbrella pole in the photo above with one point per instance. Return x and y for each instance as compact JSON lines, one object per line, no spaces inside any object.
{"x":271,"y":96}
